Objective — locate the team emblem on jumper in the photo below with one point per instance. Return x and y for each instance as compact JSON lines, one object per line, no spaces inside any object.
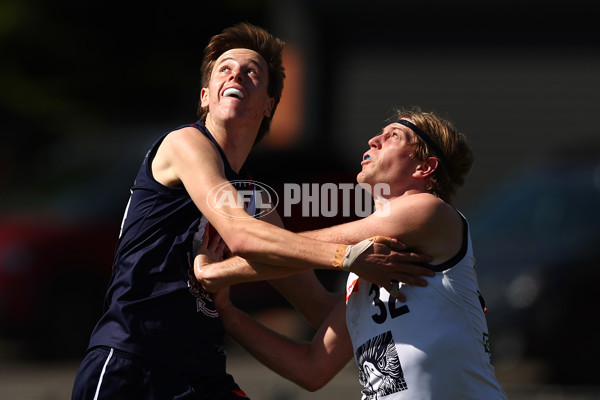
{"x":204,"y":302}
{"x":379,"y":367}
{"x":486,"y":343}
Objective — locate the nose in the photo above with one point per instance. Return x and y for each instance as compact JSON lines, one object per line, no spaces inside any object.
{"x":375,"y":142}
{"x":236,"y":75}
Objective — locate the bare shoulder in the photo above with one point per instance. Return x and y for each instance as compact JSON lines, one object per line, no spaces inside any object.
{"x":420,"y":206}
{"x":186,"y":138}
{"x":180,"y":153}
{"x":426,"y":223}
{"x":436,"y":211}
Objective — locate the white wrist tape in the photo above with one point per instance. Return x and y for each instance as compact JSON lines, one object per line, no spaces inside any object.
{"x":346,"y":255}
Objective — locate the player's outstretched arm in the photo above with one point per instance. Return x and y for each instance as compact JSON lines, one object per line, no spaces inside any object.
{"x":189,"y":158}
{"x":372,"y":260}
{"x":310,"y":365}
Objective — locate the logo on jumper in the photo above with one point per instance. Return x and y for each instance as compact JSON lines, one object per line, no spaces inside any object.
{"x":486,"y":343}
{"x":258,"y":199}
{"x":204,"y":302}
{"x":379,"y":369}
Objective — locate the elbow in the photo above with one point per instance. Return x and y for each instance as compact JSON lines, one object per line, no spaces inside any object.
{"x":312,"y":383}
{"x":239,"y":241}
{"x":243,"y":246}
{"x":238,"y":247}
{"x":311,"y":387}
{"x":307,"y":372}
{"x":244,"y":239}
{"x":312,"y":379}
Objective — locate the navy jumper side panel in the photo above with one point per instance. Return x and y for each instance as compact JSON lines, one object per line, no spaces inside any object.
{"x":154,"y":307}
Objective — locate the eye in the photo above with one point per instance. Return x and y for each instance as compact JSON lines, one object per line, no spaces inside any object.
{"x":253,"y":72}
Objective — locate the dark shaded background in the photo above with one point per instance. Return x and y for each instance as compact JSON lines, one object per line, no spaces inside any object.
{"x":87,"y":86}
{"x":104,"y":74}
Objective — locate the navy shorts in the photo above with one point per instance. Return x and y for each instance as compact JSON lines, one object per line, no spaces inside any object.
{"x":111,"y":374}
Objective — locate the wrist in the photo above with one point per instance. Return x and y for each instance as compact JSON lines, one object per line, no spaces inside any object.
{"x":347,"y":255}
{"x":232,"y":317}
{"x":340,"y":256}
{"x":200,"y":267}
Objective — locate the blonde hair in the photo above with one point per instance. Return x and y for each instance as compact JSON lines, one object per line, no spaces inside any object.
{"x":458,"y":157}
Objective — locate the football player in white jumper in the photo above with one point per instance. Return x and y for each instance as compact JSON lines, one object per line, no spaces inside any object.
{"x":409,"y":342}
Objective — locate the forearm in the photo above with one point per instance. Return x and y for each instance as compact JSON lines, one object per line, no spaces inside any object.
{"x":316,"y":306}
{"x":264,"y":243}
{"x":245,"y":236}
{"x":284,"y":356}
{"x":218,"y":275}
{"x":371,"y":260}
{"x":348,"y":233}
{"x":187,"y":157}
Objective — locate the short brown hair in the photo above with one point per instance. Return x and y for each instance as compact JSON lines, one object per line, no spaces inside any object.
{"x":247,"y":36}
{"x":458,"y":157}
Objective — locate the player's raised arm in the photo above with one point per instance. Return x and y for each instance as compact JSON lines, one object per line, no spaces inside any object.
{"x":197,"y":166}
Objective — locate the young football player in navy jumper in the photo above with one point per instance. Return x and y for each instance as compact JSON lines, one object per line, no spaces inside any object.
{"x":160,"y":336}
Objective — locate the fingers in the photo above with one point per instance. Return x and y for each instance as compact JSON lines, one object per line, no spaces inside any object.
{"x":214,"y":243}
{"x":393,"y":290}
{"x":411,"y":280}
{"x":409,"y":269}
{"x":205,"y":239}
{"x":212,"y":238}
{"x":383,"y":240}
{"x":409,"y":257}
{"x":397,"y":276}
{"x":220,"y":250}
{"x":382,"y":245}
{"x":409,"y":274}
{"x":392,"y":243}
{"x":212,"y":247}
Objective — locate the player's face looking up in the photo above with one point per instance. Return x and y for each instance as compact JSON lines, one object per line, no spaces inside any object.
{"x":238,"y":88}
{"x":389,"y":159}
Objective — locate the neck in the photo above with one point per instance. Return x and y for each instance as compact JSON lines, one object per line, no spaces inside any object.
{"x":382,"y":201}
{"x":235,"y":140}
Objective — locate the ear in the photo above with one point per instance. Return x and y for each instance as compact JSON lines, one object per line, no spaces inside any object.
{"x":204,"y":97}
{"x":426,"y":168}
{"x":269,"y":107}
